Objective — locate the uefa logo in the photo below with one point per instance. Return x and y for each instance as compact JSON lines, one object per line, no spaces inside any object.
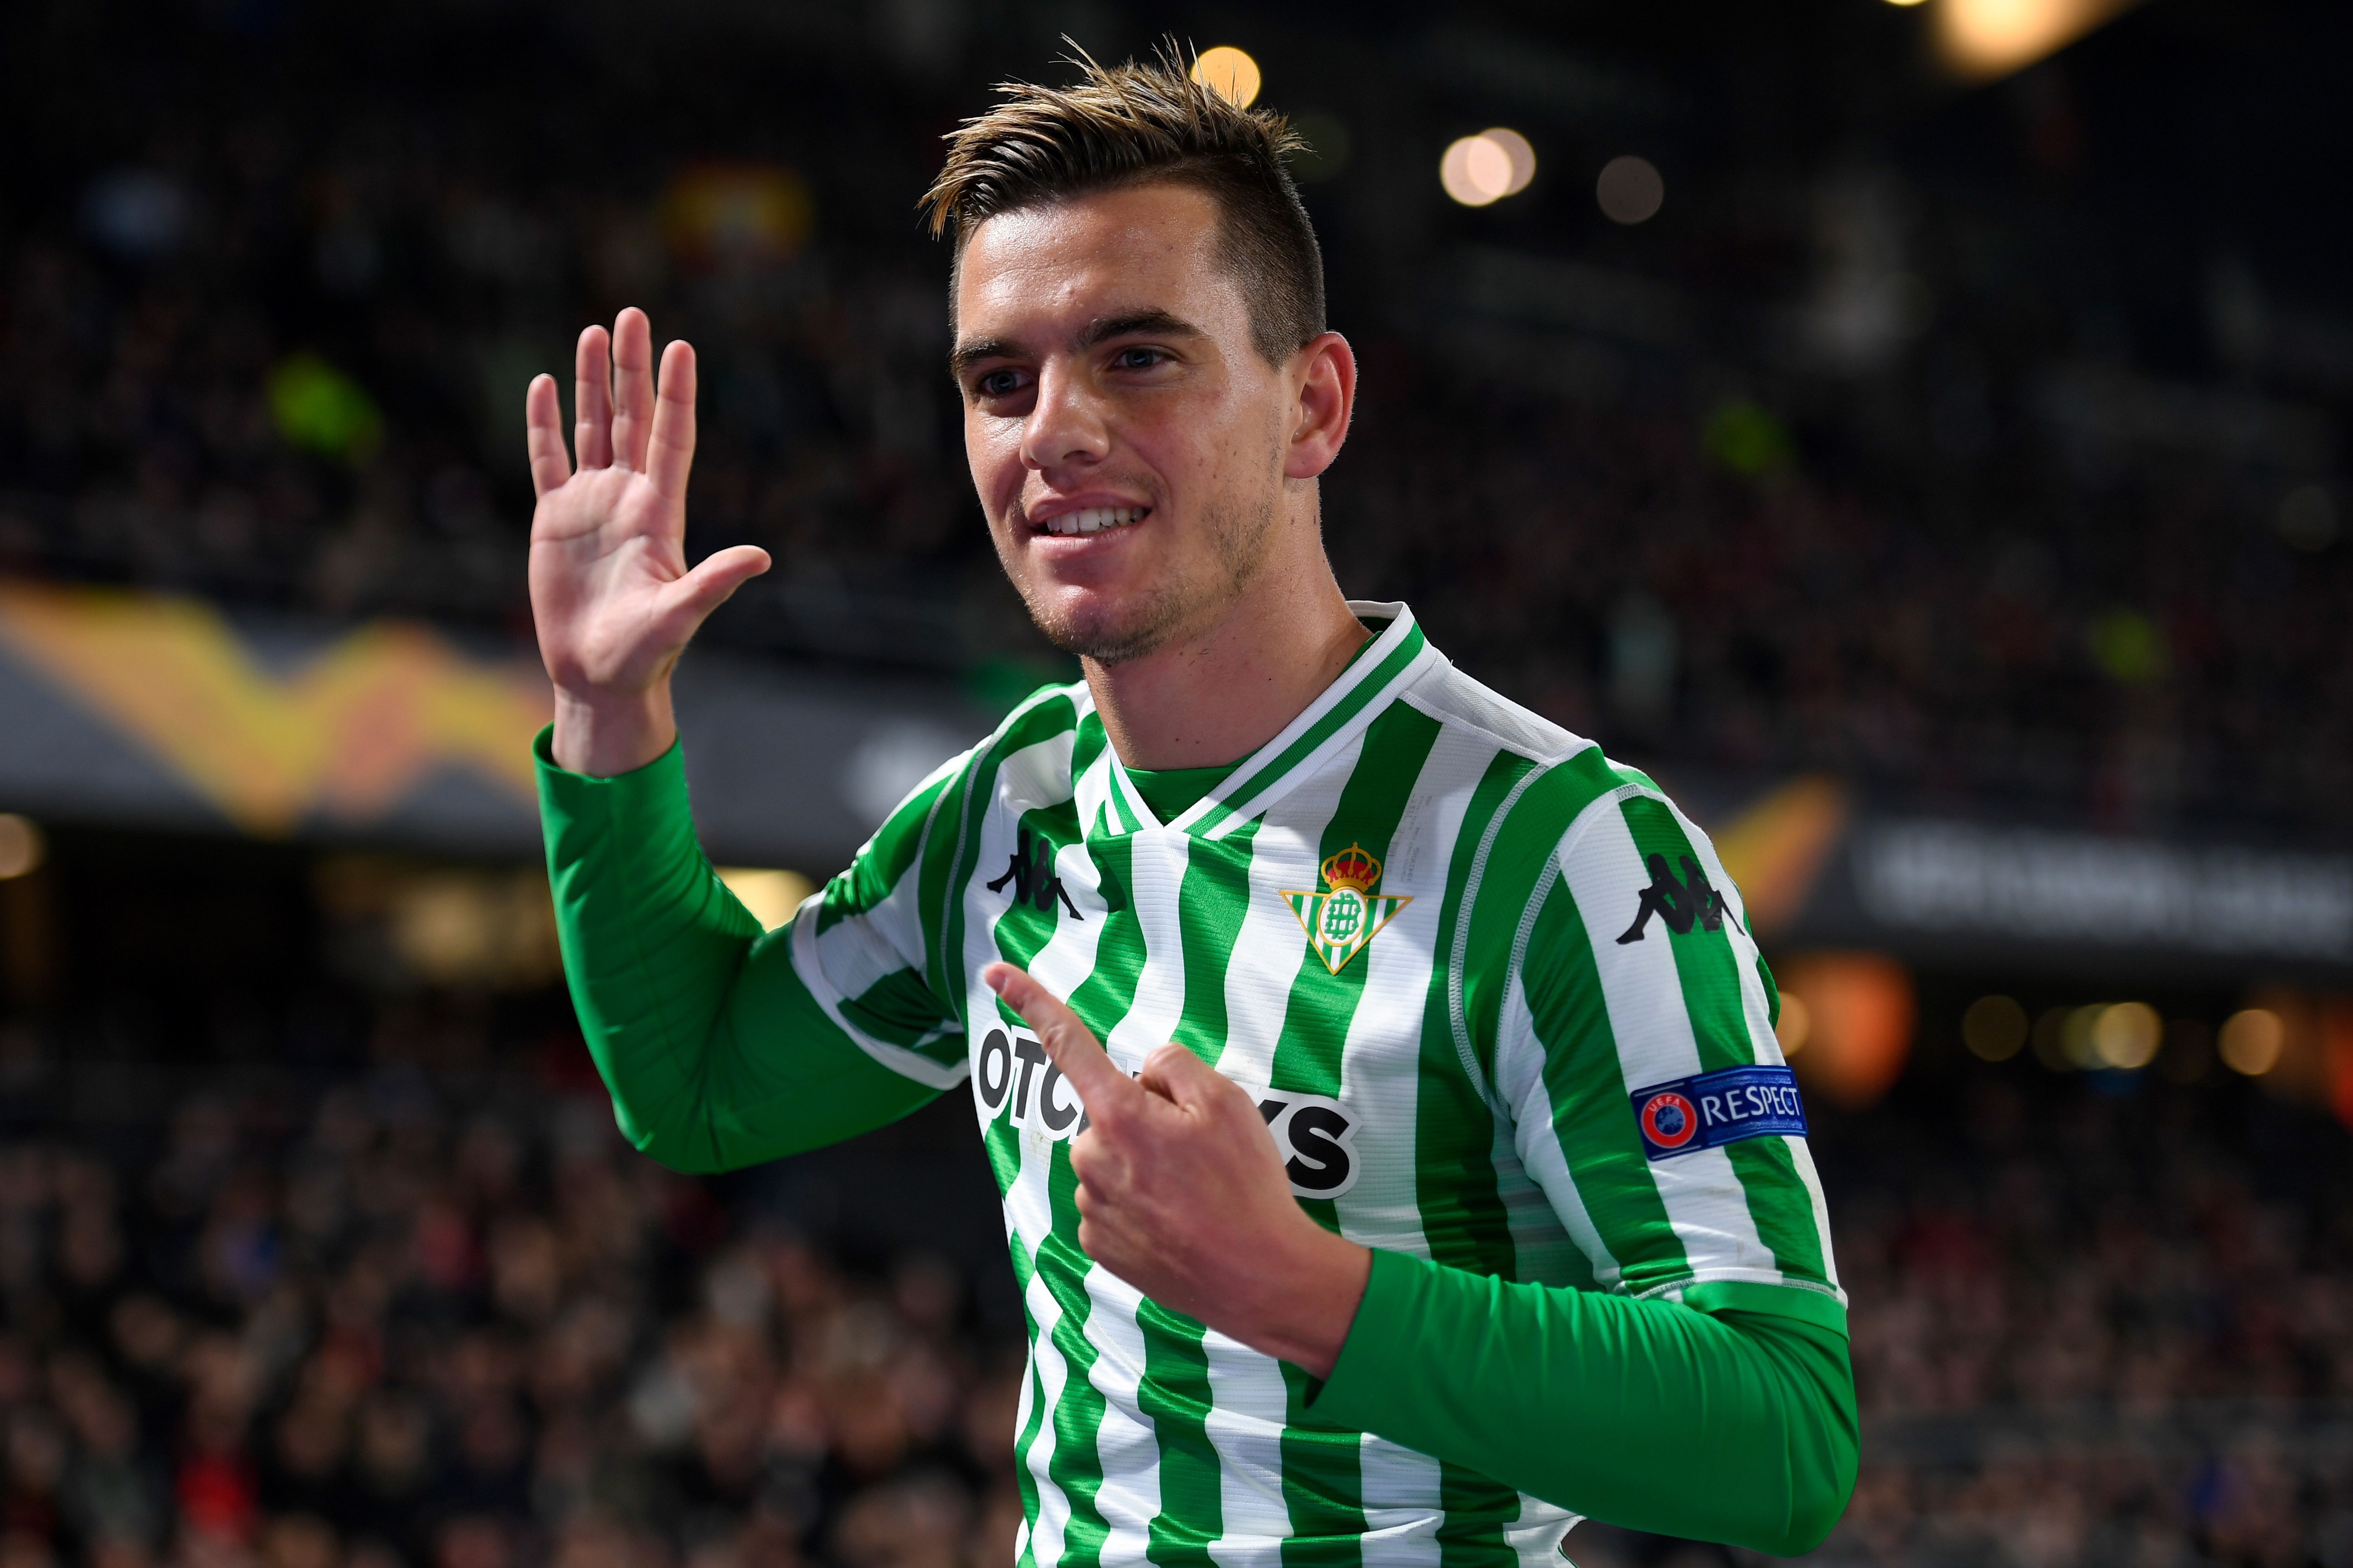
{"x":1670,"y":1121}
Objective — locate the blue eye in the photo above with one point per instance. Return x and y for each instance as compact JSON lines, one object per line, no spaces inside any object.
{"x":999,"y":383}
{"x":1139,"y":358}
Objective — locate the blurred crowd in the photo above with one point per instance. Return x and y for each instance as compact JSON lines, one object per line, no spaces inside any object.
{"x":1700,"y":587}
{"x":265,"y":322}
{"x":276,"y":348}
{"x":411,"y":1318}
{"x":398,"y":1332}
{"x":2092,"y":1330}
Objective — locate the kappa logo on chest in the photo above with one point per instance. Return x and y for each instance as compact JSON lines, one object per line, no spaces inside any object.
{"x":1031,"y":873}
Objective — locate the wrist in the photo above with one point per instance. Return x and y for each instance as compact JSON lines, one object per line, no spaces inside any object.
{"x":603,"y":734}
{"x":1305,"y":1317}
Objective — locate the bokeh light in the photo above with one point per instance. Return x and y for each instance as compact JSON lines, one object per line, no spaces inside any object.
{"x":1994,"y":1028}
{"x":1859,"y":1008}
{"x":1796,"y":1025}
{"x":1522,"y":156}
{"x":22,"y":846}
{"x":1475,"y":171}
{"x":736,"y":217}
{"x":1229,"y":73}
{"x":1987,"y":39}
{"x":2250,"y":1041}
{"x":2127,"y":1035}
{"x":1630,"y":190}
{"x":2076,"y":1049}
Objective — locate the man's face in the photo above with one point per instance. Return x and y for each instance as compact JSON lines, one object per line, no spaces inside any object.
{"x":1127,"y":440}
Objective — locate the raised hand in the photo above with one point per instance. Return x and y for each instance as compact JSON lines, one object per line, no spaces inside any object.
{"x":1182,"y":1195}
{"x":611,"y":596}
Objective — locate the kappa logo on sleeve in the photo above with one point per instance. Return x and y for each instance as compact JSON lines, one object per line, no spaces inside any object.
{"x":1717,"y":1108}
{"x":1692,"y":901}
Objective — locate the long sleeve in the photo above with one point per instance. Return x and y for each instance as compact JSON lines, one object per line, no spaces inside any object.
{"x":1682,"y":1367}
{"x":723,"y":1046}
{"x":1723,"y":1423}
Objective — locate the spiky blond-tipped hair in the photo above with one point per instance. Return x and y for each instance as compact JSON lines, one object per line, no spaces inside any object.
{"x":1143,"y":123}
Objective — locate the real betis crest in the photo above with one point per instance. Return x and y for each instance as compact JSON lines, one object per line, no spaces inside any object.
{"x":1347,"y":913}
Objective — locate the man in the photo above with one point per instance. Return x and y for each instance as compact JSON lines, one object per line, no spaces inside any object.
{"x":1435,"y":1179}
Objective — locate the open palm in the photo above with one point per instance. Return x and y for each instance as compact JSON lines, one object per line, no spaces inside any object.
{"x":611,"y":595}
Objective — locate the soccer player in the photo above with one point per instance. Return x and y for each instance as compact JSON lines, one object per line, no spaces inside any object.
{"x":1397,"y":1159}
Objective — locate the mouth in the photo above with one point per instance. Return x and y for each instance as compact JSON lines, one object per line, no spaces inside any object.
{"x":1090,"y":520}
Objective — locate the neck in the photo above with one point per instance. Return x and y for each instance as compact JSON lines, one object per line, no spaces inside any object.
{"x":1217,"y":694}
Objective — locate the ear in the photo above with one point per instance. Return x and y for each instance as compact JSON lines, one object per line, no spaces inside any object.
{"x":1323,"y":374}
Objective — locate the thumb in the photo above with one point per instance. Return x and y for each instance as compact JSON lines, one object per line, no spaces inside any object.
{"x":693,"y":597}
{"x":1071,"y":1045}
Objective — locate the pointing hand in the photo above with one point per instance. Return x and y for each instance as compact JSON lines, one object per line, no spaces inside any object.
{"x":1182,"y":1195}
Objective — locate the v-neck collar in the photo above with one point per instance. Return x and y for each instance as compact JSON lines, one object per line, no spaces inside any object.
{"x":1396,"y":658}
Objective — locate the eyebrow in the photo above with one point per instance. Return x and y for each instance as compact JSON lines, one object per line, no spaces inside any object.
{"x":1159,"y":323}
{"x":966,"y":355}
{"x":1102,"y":330}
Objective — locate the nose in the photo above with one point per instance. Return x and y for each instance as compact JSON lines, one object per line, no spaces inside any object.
{"x":1064,"y":428}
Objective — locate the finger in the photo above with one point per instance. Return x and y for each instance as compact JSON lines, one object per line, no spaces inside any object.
{"x":687,"y":603}
{"x":1072,"y":1046}
{"x":592,"y":401}
{"x":542,"y":425}
{"x":633,"y":388}
{"x":1174,"y":1073}
{"x":672,"y":451}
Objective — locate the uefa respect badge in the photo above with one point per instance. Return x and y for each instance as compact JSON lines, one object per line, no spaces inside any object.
{"x":1713,"y":1109}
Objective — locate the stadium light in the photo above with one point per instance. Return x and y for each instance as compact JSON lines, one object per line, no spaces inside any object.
{"x":1982,"y":39}
{"x":1229,"y":73}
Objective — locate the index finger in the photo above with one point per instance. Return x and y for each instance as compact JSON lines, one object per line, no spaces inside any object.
{"x":1070,"y":1044}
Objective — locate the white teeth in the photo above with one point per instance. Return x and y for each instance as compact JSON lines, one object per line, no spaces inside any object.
{"x":1093,"y":520}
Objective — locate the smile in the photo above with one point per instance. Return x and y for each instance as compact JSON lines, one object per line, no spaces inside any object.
{"x":1093,"y":520}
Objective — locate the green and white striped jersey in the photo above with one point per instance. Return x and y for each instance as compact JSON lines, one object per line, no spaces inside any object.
{"x":1419,"y":927}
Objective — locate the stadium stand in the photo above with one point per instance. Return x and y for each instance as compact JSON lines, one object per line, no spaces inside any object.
{"x":262,"y":339}
{"x":416,"y":1302}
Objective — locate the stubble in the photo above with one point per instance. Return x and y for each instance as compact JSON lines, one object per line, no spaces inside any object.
{"x":1238,"y":541}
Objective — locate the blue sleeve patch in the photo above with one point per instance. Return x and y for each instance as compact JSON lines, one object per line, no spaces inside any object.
{"x":1717,"y":1108}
